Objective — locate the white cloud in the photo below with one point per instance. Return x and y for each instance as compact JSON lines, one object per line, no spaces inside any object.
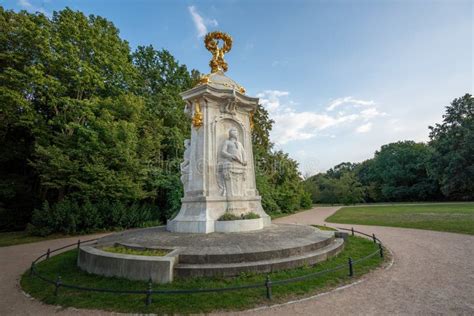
{"x":27,"y":5}
{"x":371,"y":113}
{"x":270,"y":99}
{"x":348,"y":101}
{"x":365,"y":128}
{"x":200,"y":23}
{"x":291,"y":125}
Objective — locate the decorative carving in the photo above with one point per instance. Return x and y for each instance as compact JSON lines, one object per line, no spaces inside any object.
{"x":185,"y":165}
{"x":204,"y":80}
{"x":232,"y":167}
{"x":251,"y":114}
{"x":211,"y":41}
{"x":197,"y":117}
{"x":229,"y":107}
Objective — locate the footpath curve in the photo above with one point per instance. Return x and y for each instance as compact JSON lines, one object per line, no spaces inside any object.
{"x":432,"y":274}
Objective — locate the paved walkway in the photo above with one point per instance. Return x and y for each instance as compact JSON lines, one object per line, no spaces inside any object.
{"x":432,"y":274}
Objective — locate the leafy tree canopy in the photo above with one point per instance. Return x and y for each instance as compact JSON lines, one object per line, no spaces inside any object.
{"x":452,"y":141}
{"x":88,"y":125}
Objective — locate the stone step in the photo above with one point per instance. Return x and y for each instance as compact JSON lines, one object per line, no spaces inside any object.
{"x":262,"y":266}
{"x":233,"y":255}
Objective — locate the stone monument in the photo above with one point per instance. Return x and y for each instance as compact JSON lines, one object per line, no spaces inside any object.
{"x":218,"y":176}
{"x":218,"y":172}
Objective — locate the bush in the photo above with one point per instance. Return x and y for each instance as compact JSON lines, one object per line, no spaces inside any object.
{"x":250,"y":215}
{"x":228,"y":217}
{"x":232,"y":217}
{"x":71,"y":217}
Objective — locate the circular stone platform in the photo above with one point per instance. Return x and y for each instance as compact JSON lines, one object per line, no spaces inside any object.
{"x":273,"y":248}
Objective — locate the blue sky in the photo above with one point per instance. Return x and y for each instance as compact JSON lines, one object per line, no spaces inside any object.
{"x":340,"y":78}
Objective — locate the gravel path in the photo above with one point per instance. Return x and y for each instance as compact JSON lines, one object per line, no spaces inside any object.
{"x":432,"y":274}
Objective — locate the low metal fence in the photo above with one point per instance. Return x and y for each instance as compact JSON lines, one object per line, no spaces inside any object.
{"x":149,"y":291}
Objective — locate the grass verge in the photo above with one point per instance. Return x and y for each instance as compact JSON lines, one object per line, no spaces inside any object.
{"x":137,"y":252}
{"x":65,"y":265}
{"x":455,"y":217}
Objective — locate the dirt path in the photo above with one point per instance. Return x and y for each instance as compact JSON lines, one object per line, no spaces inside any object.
{"x":432,"y":274}
{"x":14,"y":260}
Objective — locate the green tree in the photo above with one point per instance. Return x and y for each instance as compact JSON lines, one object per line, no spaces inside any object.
{"x":337,"y":186}
{"x":452,"y":141}
{"x":400,"y":169}
{"x":161,"y":79}
{"x":371,"y":187}
{"x":89,"y":130}
{"x":278,"y":179}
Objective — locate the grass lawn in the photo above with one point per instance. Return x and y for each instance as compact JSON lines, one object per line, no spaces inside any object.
{"x":22,"y":237}
{"x":65,"y":265}
{"x":446,"y":217}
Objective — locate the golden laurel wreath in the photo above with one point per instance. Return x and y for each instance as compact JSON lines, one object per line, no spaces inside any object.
{"x":211,"y":41}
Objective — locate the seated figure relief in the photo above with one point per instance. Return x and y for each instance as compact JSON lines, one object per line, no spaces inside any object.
{"x":232,"y":166}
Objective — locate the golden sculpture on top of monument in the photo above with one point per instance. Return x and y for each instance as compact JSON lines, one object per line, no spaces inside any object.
{"x":211,"y":41}
{"x":217,"y":63}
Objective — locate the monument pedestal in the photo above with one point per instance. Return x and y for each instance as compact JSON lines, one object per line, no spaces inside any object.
{"x":218,"y":172}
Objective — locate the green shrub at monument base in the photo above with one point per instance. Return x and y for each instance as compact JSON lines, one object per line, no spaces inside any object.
{"x":233,"y":217}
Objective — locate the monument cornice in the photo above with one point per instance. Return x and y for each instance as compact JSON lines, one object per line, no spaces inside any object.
{"x":211,"y":93}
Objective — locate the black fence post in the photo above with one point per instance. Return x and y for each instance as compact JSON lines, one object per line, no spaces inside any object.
{"x":352,"y":231}
{"x":57,"y":284}
{"x":381,"y":250}
{"x":48,"y":253}
{"x":78,"y":244}
{"x":148,"y":293}
{"x":268,"y":285}
{"x":374,"y":238}
{"x":351,"y":267}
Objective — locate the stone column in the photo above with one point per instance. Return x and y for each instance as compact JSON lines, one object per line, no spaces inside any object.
{"x":220,"y":175}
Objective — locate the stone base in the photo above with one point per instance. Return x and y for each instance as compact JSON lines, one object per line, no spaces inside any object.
{"x":273,"y":248}
{"x":132,"y":267}
{"x":243,"y":225}
{"x":190,"y":226}
{"x":200,"y":214}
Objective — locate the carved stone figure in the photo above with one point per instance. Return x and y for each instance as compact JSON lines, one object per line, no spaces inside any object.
{"x":233,"y":166}
{"x":185,"y":165}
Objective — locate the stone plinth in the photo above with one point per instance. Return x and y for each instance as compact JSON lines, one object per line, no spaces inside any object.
{"x":273,"y":248}
{"x":218,"y":171}
{"x":158,"y":269}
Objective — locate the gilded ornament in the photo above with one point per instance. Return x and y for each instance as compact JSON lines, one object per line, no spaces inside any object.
{"x":197,"y":117}
{"x":204,"y":79}
{"x":211,"y":41}
{"x":251,"y":114}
